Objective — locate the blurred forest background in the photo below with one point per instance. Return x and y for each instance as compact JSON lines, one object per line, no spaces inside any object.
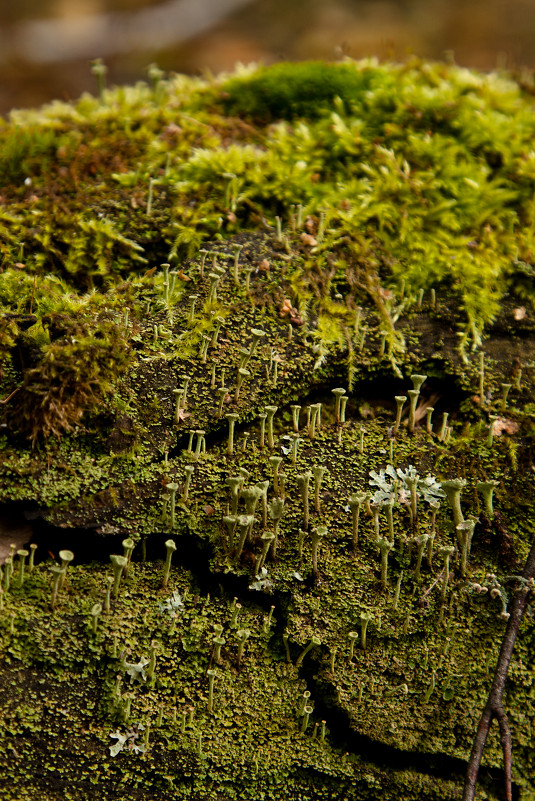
{"x":46,"y":45}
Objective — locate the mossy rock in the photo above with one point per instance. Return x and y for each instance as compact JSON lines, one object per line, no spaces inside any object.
{"x":177,"y":261}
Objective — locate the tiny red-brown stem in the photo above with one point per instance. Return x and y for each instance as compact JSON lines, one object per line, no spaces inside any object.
{"x":494,"y":707}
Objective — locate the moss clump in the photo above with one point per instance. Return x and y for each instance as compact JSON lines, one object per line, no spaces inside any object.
{"x":163,"y":251}
{"x":285,"y":91}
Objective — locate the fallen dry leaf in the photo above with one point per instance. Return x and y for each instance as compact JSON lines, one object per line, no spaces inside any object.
{"x":503,"y":425}
{"x":307,"y":239}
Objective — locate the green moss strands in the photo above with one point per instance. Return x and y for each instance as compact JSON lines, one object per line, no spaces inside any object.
{"x":453,"y":487}
{"x":365,"y":618}
{"x":490,"y":438}
{"x":413,"y":394}
{"x":7,"y":572}
{"x":257,"y":334}
{"x":304,"y":701}
{"x":295,"y":417}
{"x":314,"y":412}
{"x":250,"y":496}
{"x":217,"y":328}
{"x":315,"y":642}
{"x":57,"y":573}
{"x":275,"y":462}
{"x":211,"y":673}
{"x":234,"y":610}
{"x":385,"y":546}
{"x":212,"y":292}
{"x":232,"y":418}
{"x":222,"y":393}
{"x":267,"y":538}
{"x":235,"y":265}
{"x":203,"y":350}
{"x":219,"y":642}
{"x":303,"y":485}
{"x":100,"y":70}
{"x":355,"y":504}
{"x":267,"y":621}
{"x":179,"y":394}
{"x":66,"y":557}
{"x":428,"y":424}
{"x":276,"y":508}
{"x":486,"y":488}
{"x":445,"y":553}
{"x":505,"y":392}
{"x":245,"y":355}
{"x":128,"y":548}
{"x":189,"y":470}
{"x":361,"y":441}
{"x":262,"y":417}
{"x":229,"y":522}
{"x":400,"y":401}
{"x":245,"y":524}
{"x":96,"y":610}
{"x":397,"y":591}
{"x":31,"y":563}
{"x":465,"y":532}
{"x":107,"y":594}
{"x":200,"y":445}
{"x":352,"y":636}
{"x":22,"y":554}
{"x":173,"y":488}
{"x":343,"y":404}
{"x":317,"y":536}
{"x":170,"y":547}
{"x":242,"y":375}
{"x":338,"y":392}
{"x":375,"y":509}
{"x":270,"y":411}
{"x":263,"y":486}
{"x":306,"y":717}
{"x":119,"y":564}
{"x":443,"y":427}
{"x":191,"y":314}
{"x":285,"y":639}
{"x":242,"y":636}
{"x":421,"y":544}
{"x":185,"y":385}
{"x":318,"y":472}
{"x":235,"y":483}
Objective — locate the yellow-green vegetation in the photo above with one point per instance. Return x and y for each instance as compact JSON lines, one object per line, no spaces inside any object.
{"x":268,"y":341}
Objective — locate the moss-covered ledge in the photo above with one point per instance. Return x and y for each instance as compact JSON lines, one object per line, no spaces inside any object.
{"x":268,"y":340}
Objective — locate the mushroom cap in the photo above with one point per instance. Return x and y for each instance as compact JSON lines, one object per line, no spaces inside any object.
{"x":118,"y":561}
{"x":66,"y":556}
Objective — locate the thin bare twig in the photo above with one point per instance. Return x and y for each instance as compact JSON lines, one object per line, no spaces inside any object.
{"x":494,"y":707}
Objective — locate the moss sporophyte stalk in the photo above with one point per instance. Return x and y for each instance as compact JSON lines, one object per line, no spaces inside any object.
{"x":268,"y":336}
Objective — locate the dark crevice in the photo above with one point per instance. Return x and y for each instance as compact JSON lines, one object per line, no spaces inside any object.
{"x":343,"y":736}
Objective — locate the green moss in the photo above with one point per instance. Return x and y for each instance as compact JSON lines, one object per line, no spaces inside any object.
{"x":308,"y":89}
{"x":389,"y":181}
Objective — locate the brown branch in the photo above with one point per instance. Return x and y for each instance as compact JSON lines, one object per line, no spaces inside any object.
{"x":494,"y":707}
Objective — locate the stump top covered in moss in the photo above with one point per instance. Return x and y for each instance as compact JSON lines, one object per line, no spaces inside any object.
{"x":282,"y":320}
